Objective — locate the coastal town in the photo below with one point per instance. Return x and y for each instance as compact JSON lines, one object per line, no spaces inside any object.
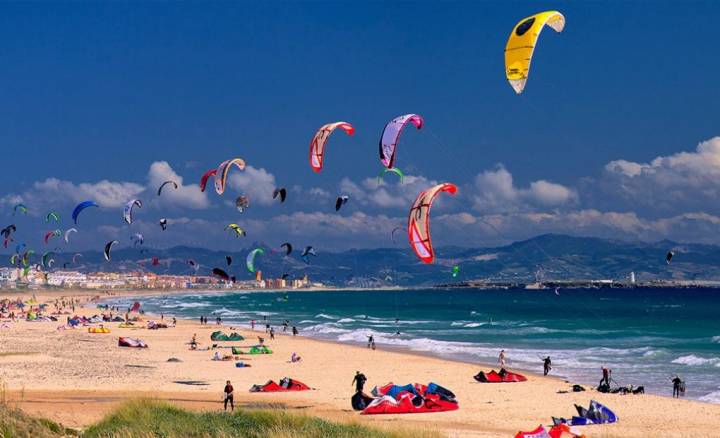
{"x":12,"y":278}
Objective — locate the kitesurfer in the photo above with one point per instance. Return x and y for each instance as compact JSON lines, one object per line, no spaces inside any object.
{"x":228,"y":391}
{"x":677,"y":384}
{"x":546,"y":365}
{"x":359,"y":381}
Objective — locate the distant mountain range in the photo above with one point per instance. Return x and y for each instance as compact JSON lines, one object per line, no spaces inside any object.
{"x":547,"y":257}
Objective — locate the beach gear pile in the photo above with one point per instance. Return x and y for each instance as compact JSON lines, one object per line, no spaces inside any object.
{"x":131,"y":342}
{"x":595,"y":414}
{"x":256,"y":349}
{"x":220,"y":336}
{"x":286,"y":384}
{"x":152,"y":325}
{"x":98,"y":330}
{"x":503,"y":376}
{"x":406,"y":399}
{"x":557,"y":431}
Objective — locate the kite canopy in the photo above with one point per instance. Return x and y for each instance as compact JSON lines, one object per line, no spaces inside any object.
{"x":205,"y":177}
{"x":80,"y":207}
{"x":54,"y":215}
{"x":67,"y":234}
{"x":391,"y":136}
{"x":163,"y":224}
{"x":250,"y":260}
{"x":235,"y":227}
{"x":222,"y":173}
{"x":317,"y":145}
{"x":521,"y":45}
{"x":419,"y":221}
{"x":394,"y":170}
{"x":220,"y":273}
{"x":108,"y":246}
{"x":282,"y":192}
{"x":23,"y":209}
{"x":160,"y":189}
{"x":128,"y":210}
{"x":340,"y":201}
{"x":288,"y":248}
{"x":411,"y":399}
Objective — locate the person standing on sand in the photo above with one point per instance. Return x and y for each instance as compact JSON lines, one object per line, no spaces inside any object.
{"x":501,"y":358}
{"x":228,"y":392}
{"x":677,"y":382}
{"x":546,"y":366}
{"x":295,"y":331}
{"x":359,"y":381}
{"x":252,"y":324}
{"x":605,"y":376}
{"x":272,"y":333}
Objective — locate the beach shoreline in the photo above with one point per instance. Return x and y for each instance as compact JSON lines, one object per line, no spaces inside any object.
{"x":51,"y":377}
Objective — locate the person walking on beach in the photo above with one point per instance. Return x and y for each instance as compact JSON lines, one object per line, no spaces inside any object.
{"x":605,"y":377}
{"x":546,"y":366}
{"x":501,"y":358}
{"x":272,"y":334}
{"x":359,"y":381}
{"x":371,"y":342}
{"x":677,"y":383}
{"x":228,"y":392}
{"x":252,"y":325}
{"x":295,"y":331}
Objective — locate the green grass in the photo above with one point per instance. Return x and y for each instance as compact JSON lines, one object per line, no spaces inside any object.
{"x":150,"y":418}
{"x":14,"y":423}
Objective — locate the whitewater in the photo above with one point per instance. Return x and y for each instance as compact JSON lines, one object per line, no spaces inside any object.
{"x":645,"y":336}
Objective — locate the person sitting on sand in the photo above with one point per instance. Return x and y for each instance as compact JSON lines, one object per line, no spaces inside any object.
{"x":295,"y":358}
{"x":228,"y":392}
{"x":261,"y":340}
{"x":193,"y":342}
{"x":217,"y":356}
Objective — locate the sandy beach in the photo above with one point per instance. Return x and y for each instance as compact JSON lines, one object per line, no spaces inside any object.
{"x":76,"y":377}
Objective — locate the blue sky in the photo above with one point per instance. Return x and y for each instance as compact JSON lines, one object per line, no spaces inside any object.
{"x":95,"y":94}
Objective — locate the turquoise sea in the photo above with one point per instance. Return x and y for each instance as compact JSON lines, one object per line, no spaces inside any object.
{"x":644,"y":335}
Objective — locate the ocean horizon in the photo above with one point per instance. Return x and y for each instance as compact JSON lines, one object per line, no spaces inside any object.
{"x":645,"y":336}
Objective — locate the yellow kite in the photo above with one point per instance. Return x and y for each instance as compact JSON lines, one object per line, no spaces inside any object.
{"x":521,"y":45}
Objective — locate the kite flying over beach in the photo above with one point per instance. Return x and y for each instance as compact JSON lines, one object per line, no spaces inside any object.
{"x":419,"y":221}
{"x":317,"y":145}
{"x":391,"y":136}
{"x":521,"y":45}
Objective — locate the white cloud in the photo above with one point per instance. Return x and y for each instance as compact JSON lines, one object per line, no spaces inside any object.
{"x":672,"y":184}
{"x":257,"y":184}
{"x":495,"y":191}
{"x":185,"y":196}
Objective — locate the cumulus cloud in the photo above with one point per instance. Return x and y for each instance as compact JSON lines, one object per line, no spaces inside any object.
{"x":53,"y":191}
{"x":257,"y":184}
{"x":685,"y":181}
{"x":495,"y":191}
{"x":185,"y":196}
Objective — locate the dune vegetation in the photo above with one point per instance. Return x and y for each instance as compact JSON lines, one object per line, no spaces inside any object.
{"x":152,"y":418}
